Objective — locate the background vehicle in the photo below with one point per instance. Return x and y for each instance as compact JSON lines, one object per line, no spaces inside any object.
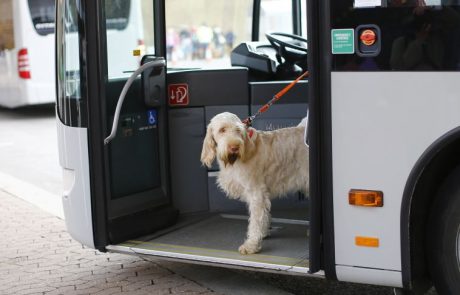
{"x":26,"y":52}
{"x":27,"y":68}
{"x":383,"y":132}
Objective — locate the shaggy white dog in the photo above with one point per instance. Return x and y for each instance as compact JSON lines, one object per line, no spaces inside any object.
{"x":255,"y":167}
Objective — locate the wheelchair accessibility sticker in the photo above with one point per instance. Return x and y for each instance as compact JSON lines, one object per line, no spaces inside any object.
{"x":152,"y":117}
{"x":178,"y":94}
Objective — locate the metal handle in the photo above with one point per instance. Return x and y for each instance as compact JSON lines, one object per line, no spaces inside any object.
{"x":116,"y":118}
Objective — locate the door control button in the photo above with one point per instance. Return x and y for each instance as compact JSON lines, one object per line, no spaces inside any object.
{"x":368,"y":40}
{"x":368,"y":37}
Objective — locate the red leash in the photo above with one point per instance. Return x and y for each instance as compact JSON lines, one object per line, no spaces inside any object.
{"x":276,"y":97}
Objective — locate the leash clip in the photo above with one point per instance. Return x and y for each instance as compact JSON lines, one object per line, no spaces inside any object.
{"x":248,"y":122}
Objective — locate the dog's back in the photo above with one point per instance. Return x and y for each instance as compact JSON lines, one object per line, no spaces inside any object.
{"x":283,"y":160}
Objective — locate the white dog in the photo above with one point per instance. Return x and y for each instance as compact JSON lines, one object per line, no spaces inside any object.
{"x":255,"y":167}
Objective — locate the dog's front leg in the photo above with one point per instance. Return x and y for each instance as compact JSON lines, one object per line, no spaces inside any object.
{"x":259,"y":221}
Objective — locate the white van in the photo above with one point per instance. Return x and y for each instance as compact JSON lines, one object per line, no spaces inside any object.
{"x":26,"y":52}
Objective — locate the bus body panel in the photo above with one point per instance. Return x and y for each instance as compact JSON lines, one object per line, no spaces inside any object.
{"x":39,"y":89}
{"x":376,"y":142}
{"x":369,"y":276}
{"x":76,"y":198}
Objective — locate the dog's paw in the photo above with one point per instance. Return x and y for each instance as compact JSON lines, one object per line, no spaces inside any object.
{"x":249,"y":248}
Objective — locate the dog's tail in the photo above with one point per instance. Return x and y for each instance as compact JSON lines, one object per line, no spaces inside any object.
{"x":304,"y":122}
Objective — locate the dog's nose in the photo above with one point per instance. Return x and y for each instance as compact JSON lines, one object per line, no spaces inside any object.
{"x":234,"y":148}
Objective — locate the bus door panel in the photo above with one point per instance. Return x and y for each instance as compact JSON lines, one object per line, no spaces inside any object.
{"x":135,"y":166}
{"x":72,"y":127}
{"x":120,"y":190}
{"x":76,"y":197}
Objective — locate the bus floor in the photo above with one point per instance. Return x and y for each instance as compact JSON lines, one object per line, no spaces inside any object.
{"x":215,"y":238}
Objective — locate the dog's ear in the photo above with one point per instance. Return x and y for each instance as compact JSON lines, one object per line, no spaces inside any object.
{"x":208,"y":153}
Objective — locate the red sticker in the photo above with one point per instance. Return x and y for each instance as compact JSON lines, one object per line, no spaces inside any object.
{"x":178,"y":94}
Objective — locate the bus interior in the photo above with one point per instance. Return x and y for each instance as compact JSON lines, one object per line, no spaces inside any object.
{"x":210,"y":225}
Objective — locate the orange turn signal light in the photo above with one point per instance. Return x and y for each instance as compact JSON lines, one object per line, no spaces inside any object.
{"x":365,"y":198}
{"x":367,"y":242}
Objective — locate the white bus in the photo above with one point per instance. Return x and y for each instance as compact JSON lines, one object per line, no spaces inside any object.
{"x":383,"y":98}
{"x":27,"y":63}
{"x":26,"y":52}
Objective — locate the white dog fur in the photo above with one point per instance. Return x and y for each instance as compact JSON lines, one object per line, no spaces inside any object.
{"x":255,"y":167}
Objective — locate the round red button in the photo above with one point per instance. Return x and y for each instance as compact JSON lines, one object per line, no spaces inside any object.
{"x":368,"y":37}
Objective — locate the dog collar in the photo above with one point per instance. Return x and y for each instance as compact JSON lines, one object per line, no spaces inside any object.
{"x":250,"y":132}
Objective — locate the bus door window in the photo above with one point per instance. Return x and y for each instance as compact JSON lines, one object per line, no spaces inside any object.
{"x":70,"y":101}
{"x":129,"y":27}
{"x":202,"y":33}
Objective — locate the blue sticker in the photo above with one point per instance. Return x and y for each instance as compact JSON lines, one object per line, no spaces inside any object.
{"x":152,"y":117}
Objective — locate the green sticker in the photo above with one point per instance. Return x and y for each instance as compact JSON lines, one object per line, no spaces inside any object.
{"x":343,"y":41}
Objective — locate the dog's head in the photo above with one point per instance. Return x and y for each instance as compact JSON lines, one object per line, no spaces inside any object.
{"x":227,"y":138}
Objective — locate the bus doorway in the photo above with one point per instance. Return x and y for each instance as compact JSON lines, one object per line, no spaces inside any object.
{"x":146,"y":193}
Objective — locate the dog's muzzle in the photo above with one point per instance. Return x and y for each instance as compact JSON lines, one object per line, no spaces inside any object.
{"x":232,"y":157}
{"x":233,"y":153}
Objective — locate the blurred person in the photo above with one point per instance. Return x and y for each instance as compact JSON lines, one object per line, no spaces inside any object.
{"x":186,"y":44}
{"x":205,"y":36}
{"x":229,"y":40}
{"x":218,"y":42}
{"x":172,"y":40}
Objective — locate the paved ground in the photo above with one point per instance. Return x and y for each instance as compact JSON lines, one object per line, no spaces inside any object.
{"x":29,"y":148}
{"x":37,"y":256}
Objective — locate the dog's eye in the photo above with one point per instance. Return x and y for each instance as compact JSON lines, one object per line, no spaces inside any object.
{"x":222,"y":130}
